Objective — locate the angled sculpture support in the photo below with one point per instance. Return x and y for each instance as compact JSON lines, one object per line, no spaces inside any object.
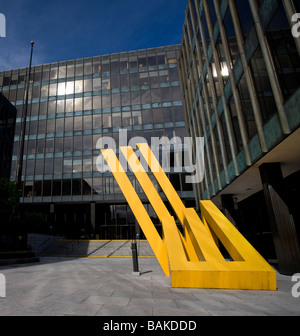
{"x":192,"y":259}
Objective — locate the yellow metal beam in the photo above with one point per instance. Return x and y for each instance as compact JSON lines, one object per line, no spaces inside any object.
{"x":194,"y":260}
{"x":163,"y":180}
{"x":138,"y":209}
{"x":158,"y":205}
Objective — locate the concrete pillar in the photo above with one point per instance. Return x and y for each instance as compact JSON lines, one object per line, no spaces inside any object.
{"x":282,"y":222}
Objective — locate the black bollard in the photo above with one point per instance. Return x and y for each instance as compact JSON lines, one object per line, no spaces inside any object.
{"x":135,"y":258}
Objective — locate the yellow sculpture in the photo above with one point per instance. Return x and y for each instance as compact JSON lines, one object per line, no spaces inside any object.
{"x":193,"y":260}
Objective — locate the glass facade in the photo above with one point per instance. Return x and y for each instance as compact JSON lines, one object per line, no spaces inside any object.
{"x":71,"y":105}
{"x":238,"y":74}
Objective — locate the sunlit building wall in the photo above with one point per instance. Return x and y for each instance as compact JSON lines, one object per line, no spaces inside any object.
{"x":71,"y":105}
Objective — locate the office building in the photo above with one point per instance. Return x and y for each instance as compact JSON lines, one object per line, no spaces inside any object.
{"x":71,"y":105}
{"x":240,"y":72}
{"x":234,"y":81}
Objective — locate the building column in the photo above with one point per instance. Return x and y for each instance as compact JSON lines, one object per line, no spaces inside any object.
{"x":271,"y":70}
{"x":281,"y":220}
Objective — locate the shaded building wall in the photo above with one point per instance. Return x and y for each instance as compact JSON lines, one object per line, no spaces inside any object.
{"x":240,"y":74}
{"x":7,"y":127}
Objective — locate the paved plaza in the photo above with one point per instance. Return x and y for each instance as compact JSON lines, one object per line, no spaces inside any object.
{"x":108,"y":287}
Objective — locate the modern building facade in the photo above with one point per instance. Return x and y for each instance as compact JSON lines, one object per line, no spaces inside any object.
{"x":240,"y":70}
{"x":71,"y":105}
{"x":234,"y":81}
{"x":7,"y":129}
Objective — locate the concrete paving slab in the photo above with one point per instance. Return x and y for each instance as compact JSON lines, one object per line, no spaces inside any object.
{"x":106,"y":287}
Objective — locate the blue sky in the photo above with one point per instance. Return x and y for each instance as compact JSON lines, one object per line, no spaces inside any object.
{"x":70,"y":29}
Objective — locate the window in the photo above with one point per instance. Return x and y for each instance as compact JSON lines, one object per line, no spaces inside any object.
{"x":117,"y":120}
{"x":286,"y":60}
{"x":69,"y":88}
{"x":48,"y":166}
{"x":106,"y":120}
{"x":62,"y":72}
{"x":155,"y":95}
{"x":69,"y":105}
{"x":116,"y":99}
{"x":78,"y":86}
{"x":87,"y":144}
{"x":263,"y":86}
{"x":52,"y":90}
{"x":77,"y":144}
{"x":59,"y":125}
{"x":115,"y":81}
{"x":78,"y":104}
{"x":53,"y":72}
{"x":45,"y":75}
{"x":68,"y":144}
{"x":58,"y":145}
{"x":126,"y":116}
{"x":125,"y":98}
{"x":88,"y":68}
{"x":166,"y":94}
{"x":124,"y":80}
{"x":79,"y":69}
{"x":77,"y":123}
{"x":39,"y":166}
{"x":247,"y":108}
{"x":157,"y":116}
{"x":88,"y":85}
{"x":87,"y":120}
{"x":147,"y":117}
{"x":168,"y":114}
{"x":42,"y":127}
{"x":106,"y":101}
{"x":33,"y":127}
{"x":114,"y":67}
{"x":30,"y":167}
{"x":36,"y":92}
{"x":87,"y":103}
{"x":96,"y":102}
{"x":61,"y":89}
{"x":58,"y":166}
{"x":60,"y":106}
{"x":68,"y":124}
{"x":97,"y":84}
{"x":137,"y":117}
{"x":50,"y":125}
{"x":97,"y":67}
{"x":145,"y":95}
{"x":70,"y":71}
{"x":142,"y":62}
